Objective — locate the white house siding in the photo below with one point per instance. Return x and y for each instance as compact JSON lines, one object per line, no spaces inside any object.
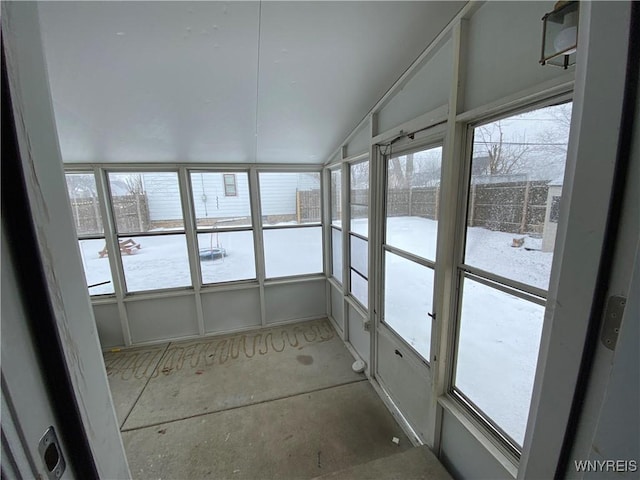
{"x":278,"y":194}
{"x":278,"y":191}
{"x":163,"y":195}
{"x":209,"y":199}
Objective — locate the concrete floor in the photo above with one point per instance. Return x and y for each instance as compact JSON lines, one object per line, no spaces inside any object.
{"x":276,"y":403}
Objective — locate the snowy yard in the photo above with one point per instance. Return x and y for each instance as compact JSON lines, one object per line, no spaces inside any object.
{"x":162,"y":261}
{"x":499,"y":334}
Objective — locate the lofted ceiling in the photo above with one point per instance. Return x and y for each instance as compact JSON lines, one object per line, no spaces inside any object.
{"x":225,"y":82}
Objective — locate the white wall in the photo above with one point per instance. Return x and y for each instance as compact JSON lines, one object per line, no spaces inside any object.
{"x":426,"y":90}
{"x":503,"y":42}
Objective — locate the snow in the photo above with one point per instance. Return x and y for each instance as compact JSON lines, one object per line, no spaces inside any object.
{"x":499,"y":333}
{"x":497,"y":354}
{"x":162,"y":261}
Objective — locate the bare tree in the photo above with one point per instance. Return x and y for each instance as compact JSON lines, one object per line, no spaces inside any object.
{"x":134,"y":184}
{"x":506,"y":156}
{"x":552,"y":140}
{"x":401,"y":171}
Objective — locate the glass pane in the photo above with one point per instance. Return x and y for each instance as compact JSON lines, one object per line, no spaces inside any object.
{"x":336,"y":263}
{"x":360,"y":255}
{"x":145,"y":202}
{"x":336,"y":197}
{"x":408,"y":294}
{"x":359,"y":197}
{"x":84,"y":203}
{"x":221,"y":200}
{"x":96,"y":266}
{"x":292,"y":251}
{"x":360,"y":288}
{"x":413,"y":190}
{"x":516,"y":180}
{"x":497,"y":354}
{"x":226,"y":256}
{"x":156,"y":262}
{"x":290,"y":198}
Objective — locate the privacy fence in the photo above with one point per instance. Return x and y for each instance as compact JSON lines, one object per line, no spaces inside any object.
{"x":132,"y":214}
{"x":515,"y":207}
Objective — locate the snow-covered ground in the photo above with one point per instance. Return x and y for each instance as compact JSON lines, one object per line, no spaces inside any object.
{"x":162,"y":261}
{"x":499,"y":334}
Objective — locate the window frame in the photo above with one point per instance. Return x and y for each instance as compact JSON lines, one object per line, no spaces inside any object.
{"x":93,"y":236}
{"x":316,"y":224}
{"x":434,"y":138}
{"x":214,"y":229}
{"x":360,"y":159}
{"x":510,"y":286}
{"x":143,"y":169}
{"x":233,"y":184}
{"x":335,"y":226}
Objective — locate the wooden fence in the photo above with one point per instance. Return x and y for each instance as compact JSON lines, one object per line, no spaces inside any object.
{"x":131,"y":213}
{"x":308,"y":206}
{"x":516,"y":207}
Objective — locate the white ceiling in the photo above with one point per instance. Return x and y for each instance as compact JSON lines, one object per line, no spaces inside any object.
{"x":225,"y":81}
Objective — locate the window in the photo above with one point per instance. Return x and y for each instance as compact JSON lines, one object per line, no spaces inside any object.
{"x":87,"y":219}
{"x":291,"y":212}
{"x":516,"y":174}
{"x":230,"y":185}
{"x":150,"y":230}
{"x":359,"y":231}
{"x":224,"y":227}
{"x":335,"y":196}
{"x":411,"y":232}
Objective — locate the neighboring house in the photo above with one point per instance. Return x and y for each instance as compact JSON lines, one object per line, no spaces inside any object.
{"x":225,"y":195}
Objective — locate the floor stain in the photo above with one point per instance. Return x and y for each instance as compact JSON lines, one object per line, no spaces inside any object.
{"x":305,"y":359}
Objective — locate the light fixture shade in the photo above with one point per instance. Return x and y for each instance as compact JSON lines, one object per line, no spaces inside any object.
{"x":560,"y":35}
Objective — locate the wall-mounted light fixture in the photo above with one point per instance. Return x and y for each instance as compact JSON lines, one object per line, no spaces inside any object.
{"x":560,"y":35}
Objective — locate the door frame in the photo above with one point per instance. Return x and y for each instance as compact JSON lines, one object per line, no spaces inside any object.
{"x":65,"y":333}
{"x":429,"y":136}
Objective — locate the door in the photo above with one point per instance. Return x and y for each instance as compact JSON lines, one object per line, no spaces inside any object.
{"x":44,"y":297}
{"x":412,"y":192}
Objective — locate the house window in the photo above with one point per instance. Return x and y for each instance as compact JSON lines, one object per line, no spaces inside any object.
{"x":87,"y":219}
{"x":504,"y":274}
{"x":224,"y":228}
{"x":230,"y":188}
{"x":291,"y":212}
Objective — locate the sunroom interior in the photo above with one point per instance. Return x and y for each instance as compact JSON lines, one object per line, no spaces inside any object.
{"x":408,"y":171}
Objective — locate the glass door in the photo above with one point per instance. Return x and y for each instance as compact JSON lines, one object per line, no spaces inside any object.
{"x":412,"y":193}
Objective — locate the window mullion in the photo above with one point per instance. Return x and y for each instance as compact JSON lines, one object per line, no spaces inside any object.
{"x":111,"y":241}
